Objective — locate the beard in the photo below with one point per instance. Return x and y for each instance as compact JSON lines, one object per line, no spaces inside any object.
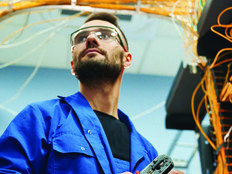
{"x":95,"y":72}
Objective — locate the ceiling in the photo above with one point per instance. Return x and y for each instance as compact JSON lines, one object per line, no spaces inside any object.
{"x":154,"y":41}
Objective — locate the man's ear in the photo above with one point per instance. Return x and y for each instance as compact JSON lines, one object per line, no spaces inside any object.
{"x":72,"y":69}
{"x":71,"y":63}
{"x":72,"y":49}
{"x":127,"y":60}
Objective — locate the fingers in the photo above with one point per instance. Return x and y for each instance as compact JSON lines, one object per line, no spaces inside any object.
{"x":176,"y":172}
{"x":137,"y":172}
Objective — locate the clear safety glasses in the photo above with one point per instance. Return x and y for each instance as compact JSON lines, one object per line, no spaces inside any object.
{"x":103,"y":33}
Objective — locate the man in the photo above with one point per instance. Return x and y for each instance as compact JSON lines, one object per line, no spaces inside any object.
{"x":85,"y":132}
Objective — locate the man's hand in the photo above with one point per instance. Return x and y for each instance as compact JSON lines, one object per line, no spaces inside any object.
{"x":176,"y":172}
{"x":137,"y":172}
{"x":172,"y":172}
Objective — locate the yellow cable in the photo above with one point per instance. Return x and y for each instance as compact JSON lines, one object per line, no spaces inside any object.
{"x":7,"y":22}
{"x":217,"y":55}
{"x":195,"y":117}
{"x":42,"y":22}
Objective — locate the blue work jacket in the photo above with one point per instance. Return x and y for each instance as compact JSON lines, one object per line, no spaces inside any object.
{"x":64,"y":136}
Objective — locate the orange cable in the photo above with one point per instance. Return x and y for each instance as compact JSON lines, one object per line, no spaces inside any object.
{"x":195,"y":118}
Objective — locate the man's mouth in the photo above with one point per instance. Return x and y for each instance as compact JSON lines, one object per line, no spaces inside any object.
{"x":91,"y":50}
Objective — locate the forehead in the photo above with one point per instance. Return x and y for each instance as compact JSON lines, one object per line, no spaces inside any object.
{"x":97,"y":22}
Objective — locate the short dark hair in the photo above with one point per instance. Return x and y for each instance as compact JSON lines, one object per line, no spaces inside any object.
{"x":111,"y":18}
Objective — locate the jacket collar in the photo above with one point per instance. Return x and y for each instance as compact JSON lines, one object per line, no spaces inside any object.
{"x":83,"y":110}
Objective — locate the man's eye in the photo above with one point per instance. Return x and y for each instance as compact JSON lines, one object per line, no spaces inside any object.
{"x":103,"y":35}
{"x":80,"y":39}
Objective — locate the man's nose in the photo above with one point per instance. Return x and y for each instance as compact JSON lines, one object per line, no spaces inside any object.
{"x":92,"y":41}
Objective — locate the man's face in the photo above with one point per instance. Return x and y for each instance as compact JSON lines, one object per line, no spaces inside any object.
{"x":96,"y":60}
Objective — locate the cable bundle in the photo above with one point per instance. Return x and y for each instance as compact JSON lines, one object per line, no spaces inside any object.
{"x":216,"y":83}
{"x":161,"y":7}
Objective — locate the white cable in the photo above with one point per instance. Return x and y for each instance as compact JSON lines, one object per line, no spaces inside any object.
{"x":27,"y":81}
{"x":36,"y":23}
{"x":7,"y":22}
{"x":138,"y":6}
{"x":34,"y":71}
{"x":12,"y":112}
{"x":10,"y":5}
{"x":198,"y":168}
{"x":26,"y":40}
{"x":23,"y":57}
{"x":181,"y":36}
{"x":73,"y":2}
{"x":173,"y":17}
{"x":148,"y":111}
{"x":32,"y":37}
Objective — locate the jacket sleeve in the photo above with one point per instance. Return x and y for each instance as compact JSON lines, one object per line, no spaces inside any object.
{"x":24,"y":144}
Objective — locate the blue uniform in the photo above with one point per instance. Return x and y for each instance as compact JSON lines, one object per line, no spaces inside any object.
{"x":64,"y":136}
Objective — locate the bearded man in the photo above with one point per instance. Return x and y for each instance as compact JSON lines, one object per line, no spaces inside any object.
{"x":83,"y":133}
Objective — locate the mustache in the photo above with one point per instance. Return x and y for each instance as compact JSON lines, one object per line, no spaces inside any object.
{"x":83,"y":51}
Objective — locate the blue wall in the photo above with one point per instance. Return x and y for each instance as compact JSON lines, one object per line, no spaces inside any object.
{"x":138,"y":92}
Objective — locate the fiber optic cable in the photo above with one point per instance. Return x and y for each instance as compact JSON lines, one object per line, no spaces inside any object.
{"x":12,"y":112}
{"x":32,"y":74}
{"x":4,"y":65}
{"x":34,"y":49}
{"x":36,"y":68}
{"x":30,"y":77}
{"x":7,"y":22}
{"x":41,"y":22}
{"x":37,"y":34}
{"x":20,"y":34}
{"x":32,"y":36}
{"x":164,"y":8}
{"x":144,"y":113}
{"x":196,"y":118}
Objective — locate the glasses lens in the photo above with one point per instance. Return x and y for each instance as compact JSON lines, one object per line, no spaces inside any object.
{"x":104,"y":34}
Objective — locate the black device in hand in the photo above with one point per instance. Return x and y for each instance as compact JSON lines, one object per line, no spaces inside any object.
{"x":160,"y":165}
